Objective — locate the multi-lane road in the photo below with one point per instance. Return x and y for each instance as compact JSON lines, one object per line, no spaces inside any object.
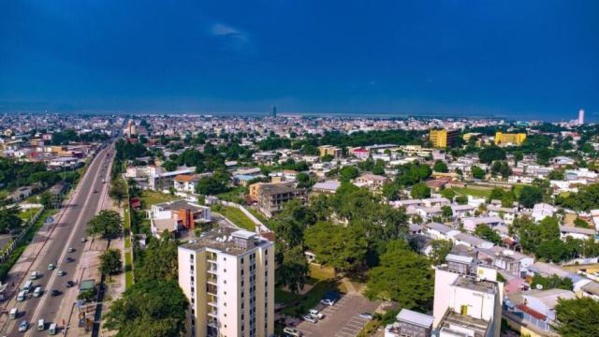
{"x":68,"y":231}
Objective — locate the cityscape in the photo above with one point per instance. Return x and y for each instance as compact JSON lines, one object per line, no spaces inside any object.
{"x":299,"y":168}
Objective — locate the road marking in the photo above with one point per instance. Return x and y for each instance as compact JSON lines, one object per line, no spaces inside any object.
{"x":53,"y":275}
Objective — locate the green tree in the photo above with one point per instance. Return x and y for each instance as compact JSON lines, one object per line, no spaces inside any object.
{"x":577,"y":317}
{"x":446,"y":212}
{"x":402,"y":276}
{"x":439,"y":251}
{"x":461,"y":200}
{"x":348,"y":173}
{"x":9,"y":219}
{"x":491,"y":154}
{"x":118,"y":190}
{"x":169,"y":165}
{"x":485,"y":232}
{"x":211,"y":186}
{"x":391,"y":191}
{"x":578,"y":222}
{"x":343,"y":248}
{"x":111,"y":262}
{"x":107,"y":223}
{"x":477,"y":172}
{"x":448,"y":193}
{"x":156,"y":308}
{"x":294,"y":269}
{"x":552,"y":282}
{"x":529,"y":196}
{"x":440,"y":166}
{"x":420,"y":191}
{"x":159,"y":261}
{"x":46,"y":200}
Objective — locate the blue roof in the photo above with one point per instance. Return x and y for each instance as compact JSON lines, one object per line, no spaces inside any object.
{"x":244,"y":177}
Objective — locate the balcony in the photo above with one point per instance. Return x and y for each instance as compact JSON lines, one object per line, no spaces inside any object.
{"x":212,"y":279}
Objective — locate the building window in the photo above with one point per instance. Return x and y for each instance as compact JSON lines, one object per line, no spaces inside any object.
{"x":242,"y":260}
{"x":191,"y":268}
{"x":191,"y":256}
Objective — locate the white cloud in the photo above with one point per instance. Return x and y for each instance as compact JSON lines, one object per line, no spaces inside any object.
{"x":232,"y":38}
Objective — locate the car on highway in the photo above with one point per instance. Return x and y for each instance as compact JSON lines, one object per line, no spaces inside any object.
{"x":71,"y":249}
{"x":366,"y":315}
{"x":61,"y":273}
{"x":292,"y":332}
{"x":83,"y":239}
{"x":310,"y":319}
{"x":23,"y":326}
{"x":55,"y":292}
{"x":95,"y":191}
{"x":69,"y":284}
{"x":69,"y":259}
{"x":51,"y":266}
{"x":34,"y":275}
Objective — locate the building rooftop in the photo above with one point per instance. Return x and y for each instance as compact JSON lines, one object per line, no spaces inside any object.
{"x":549,"y":297}
{"x":415,"y":318}
{"x":461,"y":325}
{"x":179,"y":204}
{"x":232,"y":241}
{"x":471,"y":283}
{"x":277,"y":189}
{"x":329,"y":185}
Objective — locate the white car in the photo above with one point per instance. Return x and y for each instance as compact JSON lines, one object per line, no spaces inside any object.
{"x":366,"y":315}
{"x":317,"y":314}
{"x":310,"y":319}
{"x":292,"y":332}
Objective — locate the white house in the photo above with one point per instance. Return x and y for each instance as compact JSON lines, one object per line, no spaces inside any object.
{"x":542,"y":210}
{"x":577,"y":232}
{"x":493,"y":222}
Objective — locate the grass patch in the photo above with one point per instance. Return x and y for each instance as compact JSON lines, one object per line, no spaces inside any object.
{"x":471,"y":191}
{"x":28,"y":213}
{"x":237,"y":217}
{"x":370,"y":328}
{"x":321,"y":273}
{"x":16,"y":253}
{"x":150,"y":198}
{"x":128,"y":270}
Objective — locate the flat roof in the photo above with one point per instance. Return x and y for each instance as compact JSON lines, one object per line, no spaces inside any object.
{"x":471,"y":283}
{"x":415,"y":318}
{"x":221,"y":239}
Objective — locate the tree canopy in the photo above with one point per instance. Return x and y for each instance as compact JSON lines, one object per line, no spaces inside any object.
{"x":107,"y":223}
{"x":577,"y":317}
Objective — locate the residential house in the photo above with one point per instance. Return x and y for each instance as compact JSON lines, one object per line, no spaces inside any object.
{"x":577,"y":232}
{"x":326,"y":187}
{"x":163,"y":181}
{"x":371,"y":181}
{"x":507,"y":214}
{"x":537,"y":307}
{"x":493,"y":222}
{"x":186,"y":183}
{"x":177,"y":215}
{"x":542,"y":210}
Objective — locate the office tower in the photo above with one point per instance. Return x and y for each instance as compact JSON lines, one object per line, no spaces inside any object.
{"x":509,"y":138}
{"x":580,"y":116}
{"x":228,"y":276}
{"x":443,"y":138}
{"x":274,"y":111}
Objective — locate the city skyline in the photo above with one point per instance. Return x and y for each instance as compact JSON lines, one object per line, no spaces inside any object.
{"x":524,"y":61}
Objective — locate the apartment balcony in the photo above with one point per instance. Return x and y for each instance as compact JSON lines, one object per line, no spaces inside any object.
{"x":213,"y":313}
{"x":212,"y":279}
{"x":212,"y":268}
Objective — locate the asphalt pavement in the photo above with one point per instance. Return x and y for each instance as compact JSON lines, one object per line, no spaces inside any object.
{"x":53,"y":241}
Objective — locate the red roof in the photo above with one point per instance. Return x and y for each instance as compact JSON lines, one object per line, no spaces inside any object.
{"x":360,"y":150}
{"x":531,"y":312}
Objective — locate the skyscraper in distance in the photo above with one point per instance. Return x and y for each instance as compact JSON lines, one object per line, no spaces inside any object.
{"x":580,"y":116}
{"x":274,"y":111}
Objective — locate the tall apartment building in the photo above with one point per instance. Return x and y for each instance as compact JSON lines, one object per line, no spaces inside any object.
{"x":272,"y":197}
{"x":467,"y":304}
{"x":509,"y":138}
{"x":228,"y":276}
{"x":443,"y":138}
{"x":580,"y":117}
{"x":329,"y":150}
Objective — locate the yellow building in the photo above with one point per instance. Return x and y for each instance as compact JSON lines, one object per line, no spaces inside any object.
{"x":509,"y":138}
{"x":443,"y":138}
{"x":329,"y":150}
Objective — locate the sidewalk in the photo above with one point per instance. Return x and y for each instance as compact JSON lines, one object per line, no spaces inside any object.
{"x":88,"y":268}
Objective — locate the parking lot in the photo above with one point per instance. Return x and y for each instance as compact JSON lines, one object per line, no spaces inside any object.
{"x":342,"y":319}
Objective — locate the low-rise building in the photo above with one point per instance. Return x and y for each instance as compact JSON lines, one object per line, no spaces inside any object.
{"x":371,"y":181}
{"x":177,"y":215}
{"x":271,"y":198}
{"x":186,"y":183}
{"x":410,"y":324}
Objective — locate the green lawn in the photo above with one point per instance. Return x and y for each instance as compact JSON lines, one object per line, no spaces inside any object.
{"x":128,"y":270}
{"x":28,"y":213}
{"x":471,"y":191}
{"x":238,"y":218}
{"x":150,"y":198}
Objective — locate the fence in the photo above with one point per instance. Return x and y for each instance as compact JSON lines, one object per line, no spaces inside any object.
{"x":10,"y":247}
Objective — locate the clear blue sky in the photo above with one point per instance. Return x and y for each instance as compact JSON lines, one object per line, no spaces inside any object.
{"x":517,"y":58}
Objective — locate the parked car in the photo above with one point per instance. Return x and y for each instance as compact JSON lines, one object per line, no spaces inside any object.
{"x":310,"y":319}
{"x":61,"y":273}
{"x":292,"y":331}
{"x":83,"y":239}
{"x":366,"y":315}
{"x":51,"y":266}
{"x":23,"y":326}
{"x":316,"y":314}
{"x":69,"y":259}
{"x":327,"y":301}
{"x":69,"y":284}
{"x":71,"y":249}
{"x":55,"y":292}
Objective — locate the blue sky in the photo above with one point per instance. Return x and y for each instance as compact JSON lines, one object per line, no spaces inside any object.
{"x":516,"y":58}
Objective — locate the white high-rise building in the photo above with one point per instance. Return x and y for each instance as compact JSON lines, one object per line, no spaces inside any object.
{"x":580,"y":116}
{"x":228,"y":276}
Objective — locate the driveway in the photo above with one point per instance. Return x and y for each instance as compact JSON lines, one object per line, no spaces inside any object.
{"x":341,"y":320}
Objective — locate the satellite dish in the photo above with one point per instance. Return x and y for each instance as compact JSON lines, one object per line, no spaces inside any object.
{"x":539,"y":286}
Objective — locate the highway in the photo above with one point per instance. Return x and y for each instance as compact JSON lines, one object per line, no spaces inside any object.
{"x":85,"y":202}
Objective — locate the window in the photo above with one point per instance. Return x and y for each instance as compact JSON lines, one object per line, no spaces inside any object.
{"x":242,"y":260}
{"x":191,"y":256}
{"x":192,"y":279}
{"x":225,"y":281}
{"x":191,"y":267}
